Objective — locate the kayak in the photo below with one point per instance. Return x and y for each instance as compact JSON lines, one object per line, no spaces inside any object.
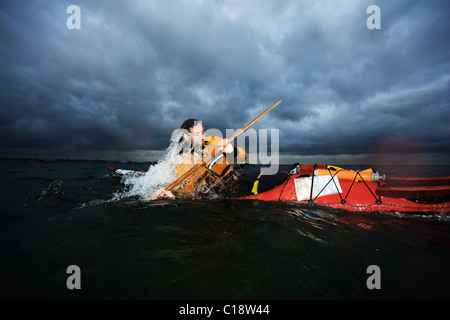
{"x":352,"y":190}
{"x":125,"y":172}
{"x":366,"y":190}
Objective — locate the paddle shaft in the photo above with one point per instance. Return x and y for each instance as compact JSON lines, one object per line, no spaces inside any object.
{"x":210,"y":157}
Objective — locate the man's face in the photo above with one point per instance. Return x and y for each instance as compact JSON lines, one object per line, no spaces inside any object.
{"x":197,"y":134}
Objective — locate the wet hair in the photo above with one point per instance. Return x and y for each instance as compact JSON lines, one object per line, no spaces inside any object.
{"x":189,"y":123}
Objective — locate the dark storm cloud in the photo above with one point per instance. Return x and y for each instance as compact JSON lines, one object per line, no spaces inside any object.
{"x":136,"y":69}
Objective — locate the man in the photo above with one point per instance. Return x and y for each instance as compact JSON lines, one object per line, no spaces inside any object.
{"x":195,"y":146}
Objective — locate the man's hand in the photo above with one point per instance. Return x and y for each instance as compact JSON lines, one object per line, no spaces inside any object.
{"x":224,"y":146}
{"x":163,"y":193}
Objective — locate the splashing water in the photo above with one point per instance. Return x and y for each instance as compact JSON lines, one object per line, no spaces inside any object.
{"x":158,"y":175}
{"x":54,"y":188}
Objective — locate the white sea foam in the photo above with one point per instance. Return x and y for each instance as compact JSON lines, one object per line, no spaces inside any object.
{"x":158,"y":175}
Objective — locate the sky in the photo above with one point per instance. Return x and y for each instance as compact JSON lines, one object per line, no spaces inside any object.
{"x":117,"y":87}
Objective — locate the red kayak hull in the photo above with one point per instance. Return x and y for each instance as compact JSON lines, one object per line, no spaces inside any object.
{"x":360,"y":196}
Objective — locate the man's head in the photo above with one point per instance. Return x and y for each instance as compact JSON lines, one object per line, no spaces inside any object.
{"x":196,"y":132}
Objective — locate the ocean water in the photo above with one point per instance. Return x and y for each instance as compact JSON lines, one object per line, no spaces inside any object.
{"x":60,"y":213}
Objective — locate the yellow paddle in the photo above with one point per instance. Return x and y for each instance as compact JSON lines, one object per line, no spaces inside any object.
{"x":210,"y":157}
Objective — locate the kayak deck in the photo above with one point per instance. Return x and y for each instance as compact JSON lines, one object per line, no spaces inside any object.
{"x":354,"y":191}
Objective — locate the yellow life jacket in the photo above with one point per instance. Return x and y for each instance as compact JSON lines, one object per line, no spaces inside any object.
{"x":208,"y":175}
